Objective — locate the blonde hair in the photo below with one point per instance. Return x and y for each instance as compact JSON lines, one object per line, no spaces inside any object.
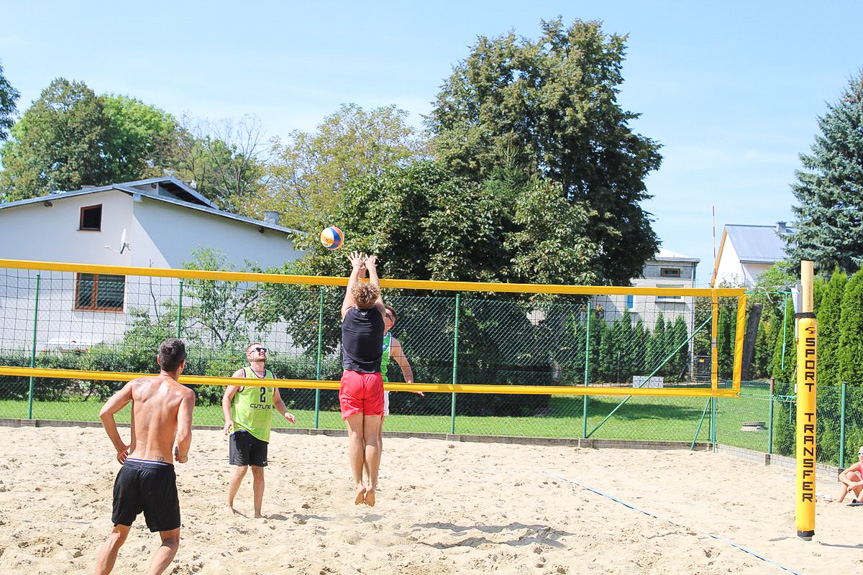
{"x":365,"y":294}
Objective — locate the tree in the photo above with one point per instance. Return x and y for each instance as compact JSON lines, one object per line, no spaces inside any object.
{"x":549,"y":109}
{"x":8,"y":96}
{"x":310,"y":171}
{"x":57,"y":145}
{"x":850,"y":328}
{"x":829,"y":324}
{"x":225,"y":162}
{"x":138,"y":140}
{"x":70,"y":138}
{"x":829,"y":190}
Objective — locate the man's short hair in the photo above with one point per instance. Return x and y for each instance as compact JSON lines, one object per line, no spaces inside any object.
{"x":392,"y":311}
{"x":172,"y":352}
{"x":253,"y":344}
{"x":365,"y":294}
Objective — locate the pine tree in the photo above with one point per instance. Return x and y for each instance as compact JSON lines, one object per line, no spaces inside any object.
{"x":850,"y":328}
{"x":829,"y":228}
{"x":829,"y":316}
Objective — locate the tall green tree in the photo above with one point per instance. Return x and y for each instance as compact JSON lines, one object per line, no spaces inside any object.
{"x":829,"y":328}
{"x":70,"y":137}
{"x":850,"y":328}
{"x":57,"y":145}
{"x":829,"y":189}
{"x":139,"y":138}
{"x":8,"y":97}
{"x":549,"y":109}
{"x":309,"y":171}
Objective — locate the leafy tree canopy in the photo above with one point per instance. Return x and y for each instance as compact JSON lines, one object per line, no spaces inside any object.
{"x":549,"y":109}
{"x":424,"y":222}
{"x":70,"y":137}
{"x":829,"y":190}
{"x":8,"y":96}
{"x":310,"y":171}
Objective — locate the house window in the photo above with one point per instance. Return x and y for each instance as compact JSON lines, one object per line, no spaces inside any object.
{"x":99,"y":292}
{"x":669,"y":298}
{"x":91,"y":218}
{"x":630,"y":302}
{"x":669,"y":272}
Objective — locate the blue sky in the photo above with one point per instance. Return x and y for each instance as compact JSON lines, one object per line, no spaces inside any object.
{"x":732,"y":90}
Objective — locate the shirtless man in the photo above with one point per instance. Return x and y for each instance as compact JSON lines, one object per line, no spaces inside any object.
{"x":161,"y":413}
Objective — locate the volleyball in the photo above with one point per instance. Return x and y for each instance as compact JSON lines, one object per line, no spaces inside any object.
{"x":332,"y":238}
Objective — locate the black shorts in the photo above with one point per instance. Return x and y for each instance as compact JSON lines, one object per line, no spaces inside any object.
{"x":148,"y":486}
{"x":246,"y":449}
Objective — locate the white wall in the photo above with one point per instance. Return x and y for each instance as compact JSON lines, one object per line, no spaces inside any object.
{"x":729,"y":272}
{"x":159,"y":235}
{"x":37,"y":232}
{"x":164,"y":235}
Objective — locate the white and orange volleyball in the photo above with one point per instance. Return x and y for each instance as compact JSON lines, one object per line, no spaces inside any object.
{"x":332,"y":238}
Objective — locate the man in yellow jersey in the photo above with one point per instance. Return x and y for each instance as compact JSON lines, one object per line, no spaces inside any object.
{"x":247,"y":413}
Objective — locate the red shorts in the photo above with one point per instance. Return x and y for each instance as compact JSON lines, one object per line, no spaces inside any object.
{"x":361,"y":393}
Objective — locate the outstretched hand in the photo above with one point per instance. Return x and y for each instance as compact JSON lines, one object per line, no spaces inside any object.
{"x":357,"y":259}
{"x":371,"y":262}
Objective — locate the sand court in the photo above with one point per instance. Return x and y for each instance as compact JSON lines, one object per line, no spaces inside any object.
{"x":443,"y":507}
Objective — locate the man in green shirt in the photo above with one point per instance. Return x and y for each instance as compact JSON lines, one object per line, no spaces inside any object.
{"x":248,"y":421}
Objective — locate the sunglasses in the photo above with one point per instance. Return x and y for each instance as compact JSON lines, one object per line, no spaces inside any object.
{"x":259,"y":349}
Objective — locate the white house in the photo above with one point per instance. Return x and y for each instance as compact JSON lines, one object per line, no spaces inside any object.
{"x":157,"y":222}
{"x":745,"y":252}
{"x":666,"y":270}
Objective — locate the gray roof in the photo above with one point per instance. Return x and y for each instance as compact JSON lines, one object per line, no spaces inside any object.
{"x":166,"y":189}
{"x":756,"y":244}
{"x":665,"y":255}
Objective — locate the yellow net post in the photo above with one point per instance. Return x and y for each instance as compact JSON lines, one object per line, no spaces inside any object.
{"x":807,"y":336}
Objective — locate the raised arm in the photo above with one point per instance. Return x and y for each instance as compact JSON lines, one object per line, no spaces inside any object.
{"x":371,"y":264}
{"x":114,"y":404}
{"x":357,"y":267}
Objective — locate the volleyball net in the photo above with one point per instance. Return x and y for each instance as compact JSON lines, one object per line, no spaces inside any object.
{"x":76,"y":326}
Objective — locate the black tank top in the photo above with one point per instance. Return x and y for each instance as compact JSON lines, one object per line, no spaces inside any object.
{"x":362,"y":340}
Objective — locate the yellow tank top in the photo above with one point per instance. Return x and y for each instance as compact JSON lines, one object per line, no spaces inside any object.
{"x":251,"y":407}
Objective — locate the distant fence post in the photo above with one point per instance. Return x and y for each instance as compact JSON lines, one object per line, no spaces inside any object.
{"x":842,"y":428}
{"x":770,"y":423}
{"x":320,"y":346}
{"x":33,"y":350}
{"x":713,"y":415}
{"x":586,"y":372}
{"x":180,"y":311}
{"x":454,"y":362}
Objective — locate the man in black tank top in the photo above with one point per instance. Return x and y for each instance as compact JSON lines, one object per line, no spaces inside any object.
{"x":361,"y":393}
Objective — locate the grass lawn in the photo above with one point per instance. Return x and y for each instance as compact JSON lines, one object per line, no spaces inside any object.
{"x":639,"y":418}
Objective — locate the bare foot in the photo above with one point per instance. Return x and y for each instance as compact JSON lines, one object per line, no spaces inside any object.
{"x":370,"y":498}
{"x":230,"y":512}
{"x":259,"y":515}
{"x":361,"y":494}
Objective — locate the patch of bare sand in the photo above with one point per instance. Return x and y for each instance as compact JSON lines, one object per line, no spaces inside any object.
{"x":442,"y":508}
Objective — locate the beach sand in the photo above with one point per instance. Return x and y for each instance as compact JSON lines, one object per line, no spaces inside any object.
{"x":443,"y":507}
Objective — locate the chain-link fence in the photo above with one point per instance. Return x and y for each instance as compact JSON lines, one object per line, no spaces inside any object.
{"x":583,"y":345}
